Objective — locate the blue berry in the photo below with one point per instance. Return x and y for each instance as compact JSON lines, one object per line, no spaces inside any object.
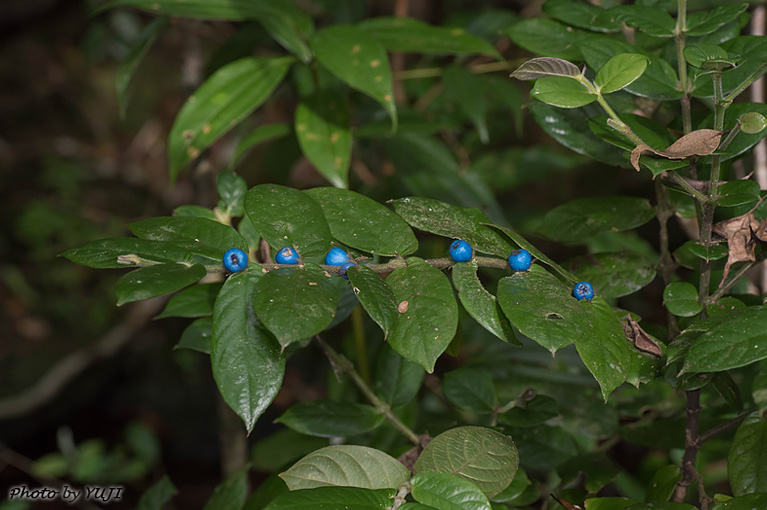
{"x":336,"y":257}
{"x":461,"y":251}
{"x":235,"y":260}
{"x":287,"y":255}
{"x":520,"y":260}
{"x":345,"y":269}
{"x":583,"y":290}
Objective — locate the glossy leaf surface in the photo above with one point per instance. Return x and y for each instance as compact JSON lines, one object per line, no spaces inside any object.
{"x":153,"y":281}
{"x":327,"y":418}
{"x":444,"y":491}
{"x":333,"y":498}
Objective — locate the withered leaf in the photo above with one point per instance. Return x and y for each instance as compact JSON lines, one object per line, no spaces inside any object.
{"x":640,"y":338}
{"x":742,"y":234}
{"x":698,"y":143}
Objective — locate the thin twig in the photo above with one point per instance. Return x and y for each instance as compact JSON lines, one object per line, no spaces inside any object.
{"x":691,"y":445}
{"x":722,"y":427}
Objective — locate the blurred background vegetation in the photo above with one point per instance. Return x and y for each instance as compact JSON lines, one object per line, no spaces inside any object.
{"x":92,"y":393}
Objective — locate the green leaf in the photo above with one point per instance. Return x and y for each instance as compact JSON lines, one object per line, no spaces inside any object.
{"x":333,"y":498}
{"x":153,"y":281}
{"x":230,"y":493}
{"x":545,"y":66}
{"x":746,"y":466}
{"x":726,"y":341}
{"x":531,"y":413}
{"x":652,"y":21}
{"x":197,"y":336}
{"x":583,"y":218}
{"x":698,"y":54}
{"x":479,"y":303}
{"x":246,"y":360}
{"x":194,"y":211}
{"x":535,"y":252}
{"x":375,"y":296}
{"x":470,"y":390}
{"x":548,"y":38}
{"x":288,"y":25}
{"x":322,"y":129}
{"x":595,"y":467}
{"x":411,"y":35}
{"x":327,"y":418}
{"x":104,"y":254}
{"x":444,"y":491}
{"x":661,"y":506}
{"x":581,"y":15}
{"x":663,"y":483}
{"x":544,"y":448}
{"x":567,"y":128}
{"x":453,"y":222}
{"x":347,"y":466}
{"x":265,"y":493}
{"x":562,"y":91}
{"x":515,"y":493}
{"x":734,"y":193}
{"x":195,"y":301}
{"x":681,"y":299}
{"x":743,"y":142}
{"x":295,"y":303}
{"x":620,"y":71}
{"x":747,"y":502}
{"x":659,"y":80}
{"x":359,"y":60}
{"x":608,"y":503}
{"x":728,"y":389}
{"x":231,"y":188}
{"x":206,"y":239}
{"x":707,"y":22}
{"x":136,"y":54}
{"x":220,"y":103}
{"x":428,"y":314}
{"x":614,"y":275}
{"x":651,"y":132}
{"x":362,"y":223}
{"x":155,"y":497}
{"x":248,"y":231}
{"x":283,"y":448}
{"x":463,"y":87}
{"x":397,"y":379}
{"x":259,"y":135}
{"x":759,"y":387}
{"x":483,"y":456}
{"x":288,"y":217}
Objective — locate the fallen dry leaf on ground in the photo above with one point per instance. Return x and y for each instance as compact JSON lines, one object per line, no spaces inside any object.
{"x":698,"y":143}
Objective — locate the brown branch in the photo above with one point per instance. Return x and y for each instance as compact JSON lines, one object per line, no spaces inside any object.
{"x":691,"y":446}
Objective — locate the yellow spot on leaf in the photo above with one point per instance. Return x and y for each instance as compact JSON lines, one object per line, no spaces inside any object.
{"x":206,"y":128}
{"x":312,"y":283}
{"x":301,"y":127}
{"x":337,"y":162}
{"x":387,"y":97}
{"x":375,"y":63}
{"x":456,"y":31}
{"x":334,"y":138}
{"x":378,"y":79}
{"x":312,"y":136}
{"x":188,"y":134}
{"x":193,"y":152}
{"x":356,"y":48}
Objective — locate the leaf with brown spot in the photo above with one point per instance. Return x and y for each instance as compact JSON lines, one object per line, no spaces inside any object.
{"x":640,"y":338}
{"x":698,"y":143}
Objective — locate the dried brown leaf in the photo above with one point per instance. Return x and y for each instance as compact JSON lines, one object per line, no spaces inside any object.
{"x":640,"y":338}
{"x":698,"y":143}
{"x":742,"y":234}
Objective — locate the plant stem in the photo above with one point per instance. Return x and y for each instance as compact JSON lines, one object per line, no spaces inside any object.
{"x":681,"y":181}
{"x":722,"y":427}
{"x":744,"y":85}
{"x":360,"y":347}
{"x":681,"y":36}
{"x":342,"y":364}
{"x":732,"y":279}
{"x":691,"y":445}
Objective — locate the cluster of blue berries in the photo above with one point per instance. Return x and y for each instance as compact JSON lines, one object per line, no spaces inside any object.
{"x":519,"y":260}
{"x":236,"y":260}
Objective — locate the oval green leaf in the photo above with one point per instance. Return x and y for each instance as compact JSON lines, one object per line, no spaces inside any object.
{"x":444,"y":491}
{"x":397,"y":379}
{"x":107,"y":253}
{"x":220,"y":103}
{"x":483,"y":456}
{"x":327,"y":418}
{"x":245,"y":357}
{"x":614,"y":275}
{"x":453,"y":222}
{"x":195,"y":301}
{"x":479,"y":303}
{"x":427,"y":316}
{"x":231,"y":190}
{"x":259,"y":135}
{"x":136,"y":54}
{"x":153,"y":281}
{"x":206,"y":239}
{"x":358,"y":59}
{"x":470,"y":390}
{"x":548,"y":38}
{"x":346,"y":466}
{"x":230,"y":493}
{"x":322,"y":129}
{"x":620,"y":71}
{"x":650,"y":20}
{"x":681,"y":299}
{"x":375,"y":296}
{"x":295,"y":303}
{"x":583,"y":218}
{"x":288,"y":217}
{"x":747,"y":502}
{"x":197,"y":336}
{"x":364,"y":224}
{"x":581,"y":15}
{"x":563,"y":92}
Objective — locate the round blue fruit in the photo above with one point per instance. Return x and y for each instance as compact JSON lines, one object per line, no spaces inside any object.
{"x":235,"y":260}
{"x":287,"y":255}
{"x":461,"y":251}
{"x":345,"y":269}
{"x":336,"y":257}
{"x":583,"y":290}
{"x":520,"y":260}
